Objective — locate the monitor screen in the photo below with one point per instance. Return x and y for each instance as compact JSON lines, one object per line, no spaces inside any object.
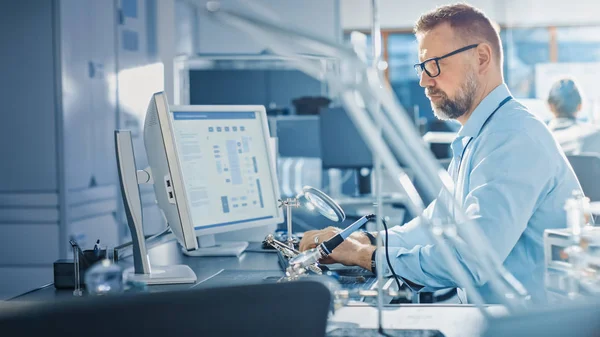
{"x":226,"y":170}
{"x":298,"y":136}
{"x":341,"y":144}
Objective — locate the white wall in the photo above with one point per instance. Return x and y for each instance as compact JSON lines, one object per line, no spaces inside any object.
{"x":399,"y":14}
{"x":176,"y":34}
{"x":402,"y":14}
{"x":186,"y":26}
{"x":548,"y":12}
{"x":315,"y":16}
{"x":167,"y":42}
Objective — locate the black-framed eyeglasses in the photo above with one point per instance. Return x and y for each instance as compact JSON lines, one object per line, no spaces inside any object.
{"x":432,"y":66}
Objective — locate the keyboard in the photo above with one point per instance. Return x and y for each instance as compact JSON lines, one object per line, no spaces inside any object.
{"x":349,"y":270}
{"x":354,"y":282}
{"x":360,"y":332}
{"x":350,"y":278}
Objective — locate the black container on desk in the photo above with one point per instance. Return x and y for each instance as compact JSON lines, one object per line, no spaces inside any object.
{"x":64,"y":270}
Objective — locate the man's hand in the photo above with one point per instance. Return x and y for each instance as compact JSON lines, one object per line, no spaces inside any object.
{"x":354,"y":251}
{"x":308,"y":240}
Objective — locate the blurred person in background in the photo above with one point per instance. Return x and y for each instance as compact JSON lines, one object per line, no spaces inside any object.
{"x":574,"y":137}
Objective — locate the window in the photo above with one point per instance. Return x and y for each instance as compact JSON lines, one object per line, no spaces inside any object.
{"x":578,"y":44}
{"x":403,"y":53}
{"x":523,"y":49}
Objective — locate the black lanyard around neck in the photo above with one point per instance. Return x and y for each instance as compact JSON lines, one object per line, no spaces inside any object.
{"x":504,"y":101}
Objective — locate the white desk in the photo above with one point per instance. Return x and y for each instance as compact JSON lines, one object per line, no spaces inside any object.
{"x":451,"y":320}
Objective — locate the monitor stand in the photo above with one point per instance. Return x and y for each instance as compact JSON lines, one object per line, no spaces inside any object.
{"x":363,"y":176}
{"x":141,"y":271}
{"x":207,"y":246}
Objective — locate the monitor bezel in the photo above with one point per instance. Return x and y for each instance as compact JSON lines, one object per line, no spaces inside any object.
{"x":178,"y":177}
{"x":188,"y":239}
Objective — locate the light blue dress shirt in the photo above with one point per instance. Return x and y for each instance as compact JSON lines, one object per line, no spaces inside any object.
{"x":513,"y":182}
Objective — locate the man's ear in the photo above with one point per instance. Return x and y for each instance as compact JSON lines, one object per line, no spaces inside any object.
{"x":484,"y":57}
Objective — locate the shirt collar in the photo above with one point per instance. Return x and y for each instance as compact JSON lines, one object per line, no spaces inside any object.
{"x":561,"y":123}
{"x":481,"y":113}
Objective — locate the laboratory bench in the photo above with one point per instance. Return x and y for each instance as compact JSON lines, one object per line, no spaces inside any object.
{"x":450,"y":319}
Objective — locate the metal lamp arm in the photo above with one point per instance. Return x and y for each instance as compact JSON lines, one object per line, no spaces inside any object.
{"x":365,"y":84}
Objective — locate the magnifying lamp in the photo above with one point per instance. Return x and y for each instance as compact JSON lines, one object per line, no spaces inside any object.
{"x":311,"y":199}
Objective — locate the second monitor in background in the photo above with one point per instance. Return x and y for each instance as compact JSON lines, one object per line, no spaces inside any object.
{"x":297,"y":136}
{"x":342,"y":147}
{"x":299,"y":151}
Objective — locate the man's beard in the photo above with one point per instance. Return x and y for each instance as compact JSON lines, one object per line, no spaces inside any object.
{"x":452,"y":109}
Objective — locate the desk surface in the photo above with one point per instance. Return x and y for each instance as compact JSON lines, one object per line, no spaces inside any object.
{"x":452,"y":320}
{"x":169,"y":253}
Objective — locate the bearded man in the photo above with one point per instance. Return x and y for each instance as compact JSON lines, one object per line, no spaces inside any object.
{"x":510,"y":175}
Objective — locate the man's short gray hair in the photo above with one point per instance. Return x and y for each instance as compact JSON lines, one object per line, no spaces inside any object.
{"x":469,"y":22}
{"x":565,"y":98}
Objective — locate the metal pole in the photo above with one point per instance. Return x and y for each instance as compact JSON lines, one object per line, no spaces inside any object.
{"x":375,"y":34}
{"x":377,"y":164}
{"x":289,"y":203}
{"x":403,"y":141}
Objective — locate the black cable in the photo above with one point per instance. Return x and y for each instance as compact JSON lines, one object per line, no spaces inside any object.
{"x":154,"y":236}
{"x":31,"y":291}
{"x":383,"y":333}
{"x":387,"y":255}
{"x":440,"y":298}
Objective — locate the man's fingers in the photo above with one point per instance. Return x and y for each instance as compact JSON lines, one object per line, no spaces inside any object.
{"x":307,"y":241}
{"x":327,"y":260}
{"x":306,"y":246}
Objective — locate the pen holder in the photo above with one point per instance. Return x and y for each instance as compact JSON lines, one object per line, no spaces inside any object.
{"x":90,"y":256}
{"x":64,"y":270}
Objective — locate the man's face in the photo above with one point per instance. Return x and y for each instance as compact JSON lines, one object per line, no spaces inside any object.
{"x":453,"y":91}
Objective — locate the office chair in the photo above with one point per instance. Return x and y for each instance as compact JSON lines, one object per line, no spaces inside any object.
{"x":250,"y":310}
{"x":587,"y":169}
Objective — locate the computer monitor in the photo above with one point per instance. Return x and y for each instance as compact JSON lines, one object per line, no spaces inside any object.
{"x":341,"y":144}
{"x":297,"y":136}
{"x":213,"y":171}
{"x":299,"y":152}
{"x":342,"y":147}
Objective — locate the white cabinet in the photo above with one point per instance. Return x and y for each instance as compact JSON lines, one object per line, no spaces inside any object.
{"x":58,"y":116}
{"x":75,"y":42}
{"x":28,"y":120}
{"x":104,"y":91}
{"x":89,"y":117}
{"x":88,"y":74}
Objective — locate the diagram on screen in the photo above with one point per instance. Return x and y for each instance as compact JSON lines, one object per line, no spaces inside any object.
{"x":225,"y":166}
{"x":237,"y":166}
